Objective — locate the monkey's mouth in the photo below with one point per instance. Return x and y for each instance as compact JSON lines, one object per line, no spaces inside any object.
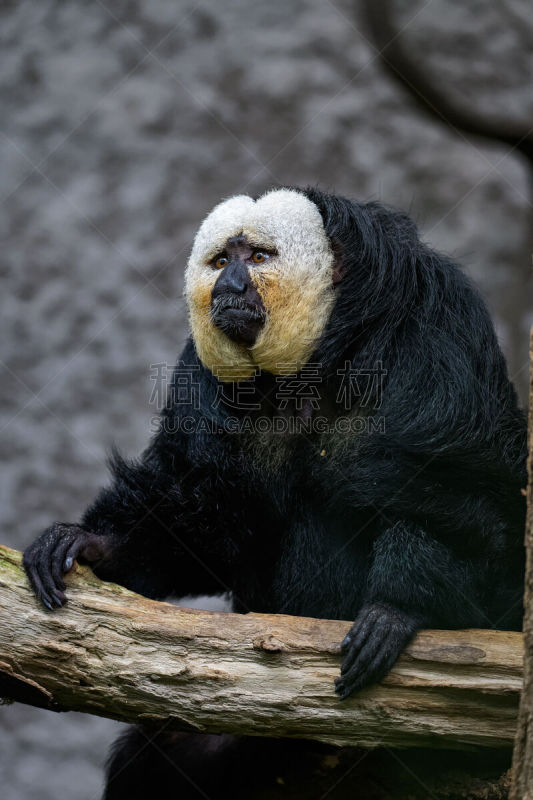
{"x":238,"y":320}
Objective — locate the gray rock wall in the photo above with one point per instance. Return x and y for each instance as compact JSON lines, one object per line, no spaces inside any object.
{"x":123,"y":124}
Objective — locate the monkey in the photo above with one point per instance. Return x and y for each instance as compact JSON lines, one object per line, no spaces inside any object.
{"x":407,"y":515}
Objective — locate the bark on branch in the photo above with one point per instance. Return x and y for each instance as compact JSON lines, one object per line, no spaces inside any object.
{"x":112,"y":653}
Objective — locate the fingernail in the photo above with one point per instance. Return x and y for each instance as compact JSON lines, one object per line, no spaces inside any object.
{"x":57,"y":600}
{"x":346,"y":641}
{"x":48,"y":604}
{"x":68,"y":563}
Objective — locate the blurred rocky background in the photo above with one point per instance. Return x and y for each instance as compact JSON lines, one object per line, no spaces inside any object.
{"x":122,"y":124}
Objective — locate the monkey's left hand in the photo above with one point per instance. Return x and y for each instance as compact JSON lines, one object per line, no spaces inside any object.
{"x":372,"y":645}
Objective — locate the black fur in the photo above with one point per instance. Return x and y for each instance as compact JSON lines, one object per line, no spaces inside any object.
{"x":415,"y":524}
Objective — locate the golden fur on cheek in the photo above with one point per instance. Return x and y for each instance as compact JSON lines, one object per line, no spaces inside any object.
{"x":298,"y":310}
{"x":201,"y":298}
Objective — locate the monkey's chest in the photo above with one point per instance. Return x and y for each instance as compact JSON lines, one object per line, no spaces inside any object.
{"x":317,"y":566}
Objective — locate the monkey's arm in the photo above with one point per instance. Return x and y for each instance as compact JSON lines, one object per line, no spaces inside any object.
{"x":139,"y":532}
{"x":414,"y":581}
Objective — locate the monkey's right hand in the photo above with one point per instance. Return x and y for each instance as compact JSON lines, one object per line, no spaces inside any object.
{"x":53,"y":554}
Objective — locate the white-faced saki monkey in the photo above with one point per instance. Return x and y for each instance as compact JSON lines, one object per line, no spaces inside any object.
{"x":340,"y":440}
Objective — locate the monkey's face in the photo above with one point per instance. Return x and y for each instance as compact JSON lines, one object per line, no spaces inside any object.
{"x":259,"y":284}
{"x":236,"y":306}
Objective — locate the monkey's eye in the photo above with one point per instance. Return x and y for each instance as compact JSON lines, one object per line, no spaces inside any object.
{"x":258,"y":256}
{"x":221,"y":262}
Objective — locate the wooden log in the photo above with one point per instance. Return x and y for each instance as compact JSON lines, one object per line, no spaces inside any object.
{"x":113,"y":653}
{"x":522,"y":786}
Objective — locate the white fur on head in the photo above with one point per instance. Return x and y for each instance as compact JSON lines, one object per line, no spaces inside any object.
{"x":295,"y":285}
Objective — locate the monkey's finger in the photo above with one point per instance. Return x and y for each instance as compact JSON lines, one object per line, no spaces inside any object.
{"x":363,"y":649}
{"x":37,"y":586}
{"x":58,"y":560}
{"x":43,"y":568}
{"x":367,"y":670}
{"x":389,"y":637}
{"x":72,"y":552}
{"x":351,"y":683}
{"x":373,"y":672}
{"x":358,"y":660}
{"x":360,"y":630}
{"x":38,"y":561}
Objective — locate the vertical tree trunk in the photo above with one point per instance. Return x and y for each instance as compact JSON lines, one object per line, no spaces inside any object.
{"x":522,"y":785}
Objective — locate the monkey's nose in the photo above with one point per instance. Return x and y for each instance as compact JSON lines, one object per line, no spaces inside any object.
{"x":234,"y":279}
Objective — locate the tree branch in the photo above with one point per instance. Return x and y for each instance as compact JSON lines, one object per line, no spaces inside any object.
{"x":116,"y":654}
